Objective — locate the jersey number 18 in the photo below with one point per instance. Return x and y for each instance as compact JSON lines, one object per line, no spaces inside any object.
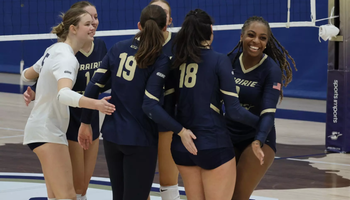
{"x":188,"y":75}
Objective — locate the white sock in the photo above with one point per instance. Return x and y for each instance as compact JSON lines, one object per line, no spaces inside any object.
{"x":78,"y":196}
{"x":51,"y":198}
{"x":170,"y":192}
{"x":83,"y":197}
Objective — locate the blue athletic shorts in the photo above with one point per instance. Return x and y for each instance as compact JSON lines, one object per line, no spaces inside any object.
{"x":270,"y":141}
{"x":206,"y":159}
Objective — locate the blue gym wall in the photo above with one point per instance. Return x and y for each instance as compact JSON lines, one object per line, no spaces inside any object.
{"x":38,"y":16}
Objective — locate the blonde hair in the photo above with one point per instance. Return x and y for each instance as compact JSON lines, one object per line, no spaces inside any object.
{"x":71,"y":17}
{"x":167,"y":3}
{"x":82,"y":4}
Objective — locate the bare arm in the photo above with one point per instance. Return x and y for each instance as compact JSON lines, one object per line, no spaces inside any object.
{"x":29,"y":74}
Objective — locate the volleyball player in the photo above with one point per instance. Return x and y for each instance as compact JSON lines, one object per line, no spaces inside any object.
{"x":89,"y":58}
{"x":261,"y":69}
{"x":45,"y":131}
{"x":168,"y":172}
{"x":137,"y":68}
{"x":202,"y":78}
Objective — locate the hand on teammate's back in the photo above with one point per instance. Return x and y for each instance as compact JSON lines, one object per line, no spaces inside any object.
{"x":187,"y":138}
{"x":258,"y":152}
{"x":105,"y":107}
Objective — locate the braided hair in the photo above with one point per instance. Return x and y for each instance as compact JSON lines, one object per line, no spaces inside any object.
{"x":273,"y":49}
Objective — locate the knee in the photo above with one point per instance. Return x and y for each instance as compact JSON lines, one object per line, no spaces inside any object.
{"x":168,"y":181}
{"x":168,"y":177}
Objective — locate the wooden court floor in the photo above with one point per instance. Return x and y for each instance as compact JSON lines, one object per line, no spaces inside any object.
{"x":301,"y":170}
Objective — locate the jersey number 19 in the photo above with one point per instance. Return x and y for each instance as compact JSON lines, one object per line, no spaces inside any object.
{"x":130,"y":65}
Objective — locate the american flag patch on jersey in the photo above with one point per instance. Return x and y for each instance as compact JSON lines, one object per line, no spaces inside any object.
{"x":276,"y":86}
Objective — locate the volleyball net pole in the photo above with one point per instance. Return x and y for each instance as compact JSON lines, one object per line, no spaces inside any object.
{"x":338,"y":83}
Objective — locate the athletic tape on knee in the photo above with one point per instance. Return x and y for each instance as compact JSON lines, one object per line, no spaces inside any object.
{"x":170,"y":192}
{"x":68,"y":97}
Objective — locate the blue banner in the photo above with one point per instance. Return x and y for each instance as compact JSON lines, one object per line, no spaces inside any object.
{"x":338,"y":112}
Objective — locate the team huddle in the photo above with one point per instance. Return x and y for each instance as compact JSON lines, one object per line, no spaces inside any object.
{"x":175,"y":100}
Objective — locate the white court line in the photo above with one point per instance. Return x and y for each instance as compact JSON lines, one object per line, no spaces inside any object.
{"x":292,"y":159}
{"x":156,"y":185}
{"x":314,"y":161}
{"x":11,"y":129}
{"x":20,"y":130}
{"x":14,"y":136}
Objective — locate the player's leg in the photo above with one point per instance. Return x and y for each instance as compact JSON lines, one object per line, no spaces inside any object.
{"x":192,"y":179}
{"x":219,"y":183}
{"x":115,"y":159}
{"x":77,"y":158}
{"x":168,"y":172}
{"x":50,"y":193}
{"x":90,"y":157}
{"x":218,"y":172}
{"x":190,"y":174}
{"x":83,"y":164}
{"x":56,"y":164}
{"x":139,"y":168}
{"x":250,"y":172}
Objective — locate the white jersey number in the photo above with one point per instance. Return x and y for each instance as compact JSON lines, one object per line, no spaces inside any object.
{"x":129,"y":63}
{"x":188,"y":76}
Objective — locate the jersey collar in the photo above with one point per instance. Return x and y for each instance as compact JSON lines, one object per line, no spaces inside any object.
{"x":252,"y":68}
{"x":87,"y":54}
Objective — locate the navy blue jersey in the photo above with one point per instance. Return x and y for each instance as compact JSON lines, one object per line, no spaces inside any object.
{"x":167,"y":47}
{"x":88,"y":64}
{"x":199,"y":90}
{"x":258,"y":89}
{"x":135,"y":91}
{"x":167,"y":50}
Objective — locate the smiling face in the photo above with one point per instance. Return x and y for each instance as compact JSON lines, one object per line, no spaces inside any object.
{"x":254,"y":39}
{"x":93,"y":12}
{"x":84,"y":30}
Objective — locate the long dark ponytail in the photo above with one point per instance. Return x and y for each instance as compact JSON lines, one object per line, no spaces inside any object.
{"x":188,"y":42}
{"x":152,"y":20}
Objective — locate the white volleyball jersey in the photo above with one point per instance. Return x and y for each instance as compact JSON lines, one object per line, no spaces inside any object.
{"x":48,"y":121}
